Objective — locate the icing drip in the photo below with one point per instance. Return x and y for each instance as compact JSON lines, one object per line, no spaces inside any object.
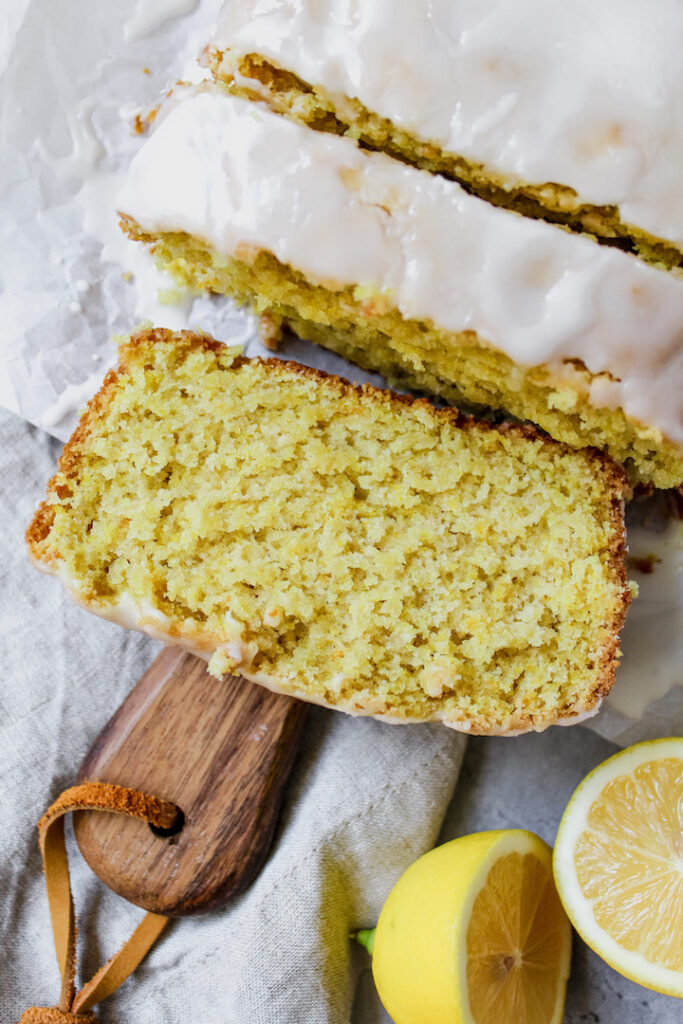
{"x":587,"y":96}
{"x":243,"y":179}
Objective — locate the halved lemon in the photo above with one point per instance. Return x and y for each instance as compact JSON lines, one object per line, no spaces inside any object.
{"x":618,"y":863}
{"x":474,"y":933}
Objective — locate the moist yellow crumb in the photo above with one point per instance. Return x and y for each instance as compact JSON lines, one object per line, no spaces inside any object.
{"x":349,"y":546}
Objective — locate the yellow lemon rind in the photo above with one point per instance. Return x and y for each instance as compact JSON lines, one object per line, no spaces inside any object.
{"x":402,"y":930}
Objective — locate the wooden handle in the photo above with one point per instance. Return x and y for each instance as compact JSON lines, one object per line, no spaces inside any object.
{"x":221,"y":751}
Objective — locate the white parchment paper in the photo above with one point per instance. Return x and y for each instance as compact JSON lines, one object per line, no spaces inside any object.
{"x":73,"y":76}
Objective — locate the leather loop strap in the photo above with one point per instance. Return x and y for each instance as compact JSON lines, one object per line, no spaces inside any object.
{"x":91,"y":796}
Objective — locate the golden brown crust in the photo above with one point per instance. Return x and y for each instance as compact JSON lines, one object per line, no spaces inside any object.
{"x":607,"y":664}
{"x":614,"y":477}
{"x":41,"y":524}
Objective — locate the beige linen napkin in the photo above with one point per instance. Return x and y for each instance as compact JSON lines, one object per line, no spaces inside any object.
{"x":364,"y":801}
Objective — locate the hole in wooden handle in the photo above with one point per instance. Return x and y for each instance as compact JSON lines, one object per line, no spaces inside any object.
{"x":221,"y":752}
{"x":173,"y":829}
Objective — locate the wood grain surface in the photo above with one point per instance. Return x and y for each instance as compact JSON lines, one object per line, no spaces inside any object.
{"x":220,"y":750}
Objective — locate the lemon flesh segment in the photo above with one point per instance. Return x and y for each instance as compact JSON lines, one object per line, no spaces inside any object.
{"x":474,"y":932}
{"x":517,"y":944}
{"x":619,"y":863}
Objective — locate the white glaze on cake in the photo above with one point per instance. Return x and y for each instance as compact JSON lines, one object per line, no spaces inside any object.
{"x":580,"y":93}
{"x":243,"y":179}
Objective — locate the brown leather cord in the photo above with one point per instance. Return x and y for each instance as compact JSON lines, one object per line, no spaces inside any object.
{"x":75,"y":1007}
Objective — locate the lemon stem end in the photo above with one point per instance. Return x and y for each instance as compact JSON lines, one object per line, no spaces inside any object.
{"x":366,"y":937}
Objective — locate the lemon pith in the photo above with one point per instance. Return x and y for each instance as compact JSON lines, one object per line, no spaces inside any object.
{"x":618,"y":863}
{"x":474,"y":932}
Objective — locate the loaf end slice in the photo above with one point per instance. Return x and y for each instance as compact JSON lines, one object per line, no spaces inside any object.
{"x":346,"y":545}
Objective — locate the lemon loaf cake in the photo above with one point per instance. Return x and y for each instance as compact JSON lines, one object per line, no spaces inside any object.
{"x":346,"y":545}
{"x":572,"y":113}
{"x":404,"y":272}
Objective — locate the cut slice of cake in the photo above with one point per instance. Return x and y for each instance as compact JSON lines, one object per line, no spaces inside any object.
{"x":572,"y":114}
{"x":346,"y":545}
{"x":403,"y":272}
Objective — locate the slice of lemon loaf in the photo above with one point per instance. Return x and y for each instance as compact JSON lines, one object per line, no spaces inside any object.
{"x":404,"y":272}
{"x":572,"y":115}
{"x":346,"y":545}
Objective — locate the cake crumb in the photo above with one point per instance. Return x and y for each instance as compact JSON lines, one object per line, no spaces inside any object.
{"x":270,"y":331}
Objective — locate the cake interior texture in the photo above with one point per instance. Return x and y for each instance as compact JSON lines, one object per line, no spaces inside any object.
{"x":346,"y":545}
{"x":254,"y":76}
{"x":456,"y":367}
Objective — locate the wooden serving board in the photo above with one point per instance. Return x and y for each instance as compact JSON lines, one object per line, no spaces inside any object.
{"x":222,"y":751}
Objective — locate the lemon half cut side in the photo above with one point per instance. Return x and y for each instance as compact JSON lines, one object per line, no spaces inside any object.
{"x":618,"y":863}
{"x":474,"y":933}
